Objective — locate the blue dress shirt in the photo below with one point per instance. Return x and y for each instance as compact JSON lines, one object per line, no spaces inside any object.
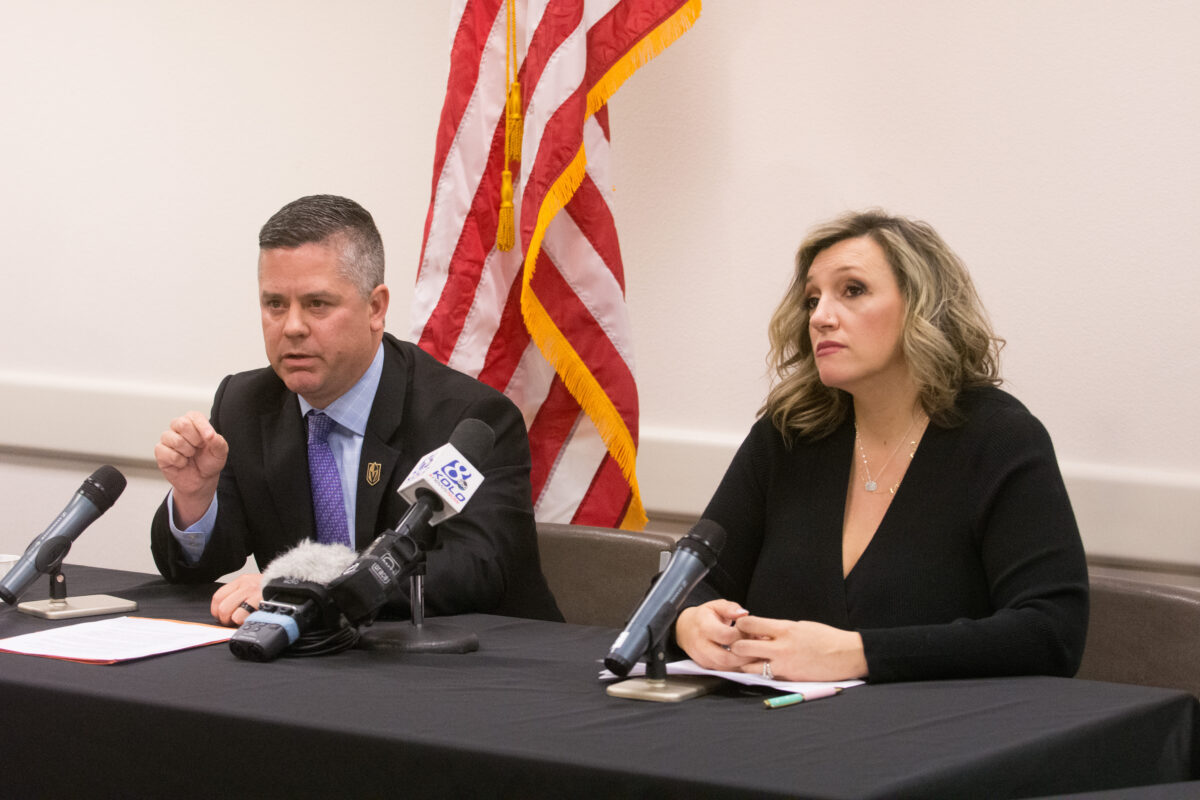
{"x":350,"y":413}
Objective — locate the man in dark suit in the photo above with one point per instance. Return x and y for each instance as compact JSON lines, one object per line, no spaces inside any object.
{"x":246,"y":481}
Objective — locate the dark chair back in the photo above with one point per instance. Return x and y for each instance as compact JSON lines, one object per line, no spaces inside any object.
{"x":598,"y":575}
{"x":1144,"y":633}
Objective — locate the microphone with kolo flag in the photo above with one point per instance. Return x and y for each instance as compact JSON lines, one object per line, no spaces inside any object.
{"x":438,"y":487}
{"x":319,"y":595}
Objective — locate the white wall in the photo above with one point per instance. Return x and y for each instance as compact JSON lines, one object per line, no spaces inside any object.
{"x":1056,"y":145}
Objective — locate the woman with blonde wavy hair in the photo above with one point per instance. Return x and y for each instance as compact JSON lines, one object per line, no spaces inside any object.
{"x":893,"y":515}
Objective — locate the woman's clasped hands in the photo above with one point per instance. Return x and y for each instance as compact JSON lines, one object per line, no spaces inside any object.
{"x":722,"y":635}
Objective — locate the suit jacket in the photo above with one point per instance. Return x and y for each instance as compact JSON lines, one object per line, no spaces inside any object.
{"x":486,"y":559}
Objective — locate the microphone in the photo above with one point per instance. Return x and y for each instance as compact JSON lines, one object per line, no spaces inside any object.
{"x":295,"y":602}
{"x":694,"y":555}
{"x":446,"y":478}
{"x":438,"y":487}
{"x":45,"y":553}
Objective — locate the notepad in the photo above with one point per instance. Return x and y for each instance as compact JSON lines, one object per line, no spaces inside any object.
{"x":111,"y":641}
{"x":689,"y":667}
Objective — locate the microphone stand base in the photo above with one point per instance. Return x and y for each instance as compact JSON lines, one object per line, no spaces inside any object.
{"x":428,"y":637}
{"x":665,"y":690}
{"x":87,"y":606}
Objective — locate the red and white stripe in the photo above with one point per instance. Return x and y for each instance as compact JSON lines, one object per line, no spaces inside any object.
{"x":545,"y":322}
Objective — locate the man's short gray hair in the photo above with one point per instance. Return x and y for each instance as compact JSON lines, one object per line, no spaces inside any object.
{"x":338,"y":222}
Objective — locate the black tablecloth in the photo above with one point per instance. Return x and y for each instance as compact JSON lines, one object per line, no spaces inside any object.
{"x":525,"y":716}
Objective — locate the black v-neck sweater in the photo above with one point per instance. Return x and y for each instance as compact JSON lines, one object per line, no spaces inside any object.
{"x":977,"y":568}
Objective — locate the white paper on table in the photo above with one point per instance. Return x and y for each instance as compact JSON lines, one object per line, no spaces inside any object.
{"x":689,"y":667}
{"x":111,"y":640}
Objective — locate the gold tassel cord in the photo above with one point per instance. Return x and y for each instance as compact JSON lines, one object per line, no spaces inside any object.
{"x":506,"y":226}
{"x":514,"y":129}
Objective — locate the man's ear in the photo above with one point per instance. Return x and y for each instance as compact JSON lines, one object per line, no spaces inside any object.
{"x":377,"y":305}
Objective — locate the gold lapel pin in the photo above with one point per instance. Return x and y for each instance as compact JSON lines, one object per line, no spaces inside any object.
{"x":374,"y":471}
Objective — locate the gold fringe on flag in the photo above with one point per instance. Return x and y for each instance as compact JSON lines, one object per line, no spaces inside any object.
{"x":642,"y":53}
{"x":557,"y":350}
{"x":578,"y":379}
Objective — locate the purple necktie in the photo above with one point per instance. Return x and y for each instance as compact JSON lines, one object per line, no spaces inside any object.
{"x":328,"y":506}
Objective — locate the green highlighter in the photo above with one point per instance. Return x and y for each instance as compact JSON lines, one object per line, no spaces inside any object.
{"x":800,"y":697}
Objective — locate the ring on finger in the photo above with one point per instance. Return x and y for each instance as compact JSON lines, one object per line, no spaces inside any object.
{"x":767,"y":671}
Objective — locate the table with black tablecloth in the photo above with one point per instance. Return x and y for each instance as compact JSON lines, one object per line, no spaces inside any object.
{"x":525,"y":716}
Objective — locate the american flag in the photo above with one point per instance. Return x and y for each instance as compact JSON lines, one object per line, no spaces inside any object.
{"x":545,"y":321}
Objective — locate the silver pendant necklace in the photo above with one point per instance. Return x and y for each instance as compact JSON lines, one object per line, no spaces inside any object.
{"x":871,"y":484}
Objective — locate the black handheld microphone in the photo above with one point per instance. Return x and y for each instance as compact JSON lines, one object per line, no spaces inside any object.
{"x":695,"y":554}
{"x":46,"y":552}
{"x":296,"y":606}
{"x":438,"y":487}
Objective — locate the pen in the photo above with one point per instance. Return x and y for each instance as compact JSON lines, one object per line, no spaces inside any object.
{"x":800,"y":697}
